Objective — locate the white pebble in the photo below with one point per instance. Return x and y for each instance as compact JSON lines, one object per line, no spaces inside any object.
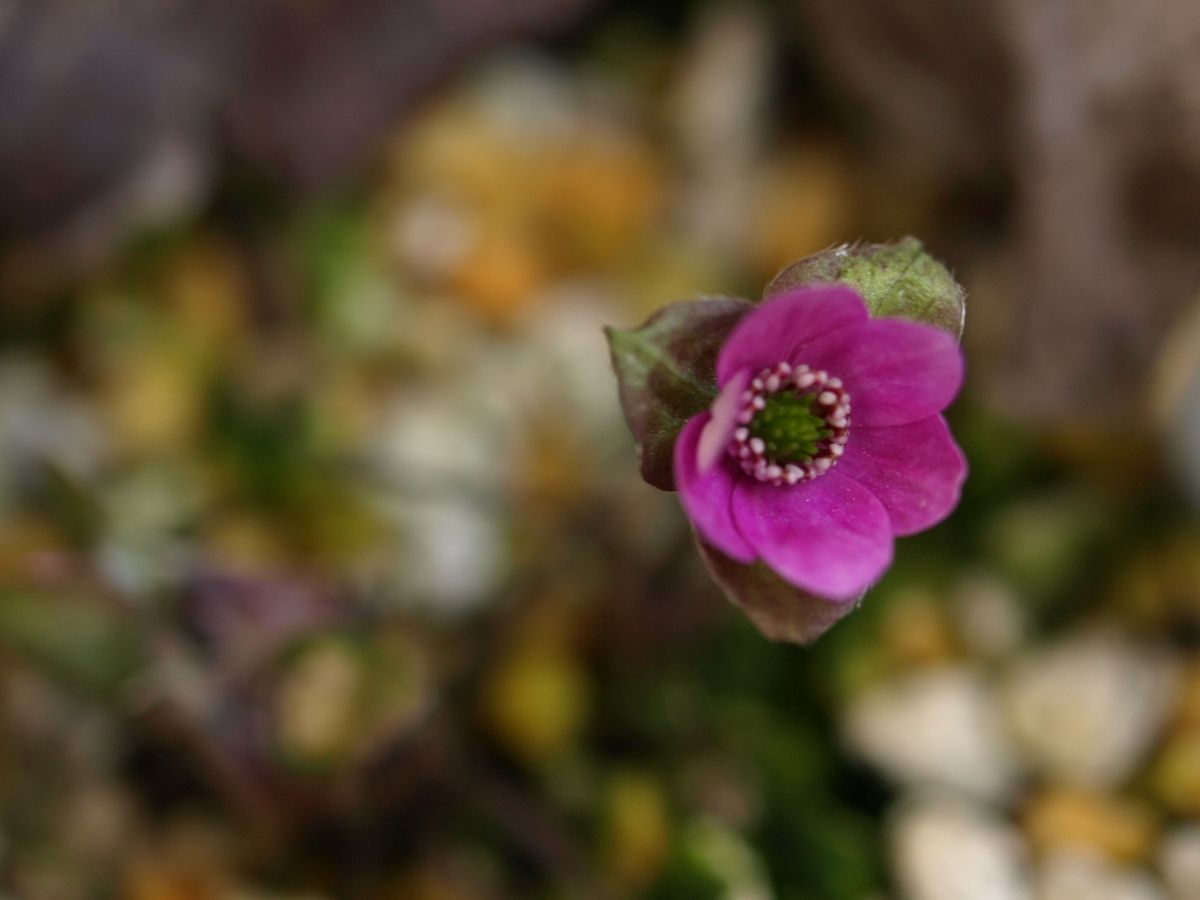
{"x":1078,"y":875}
{"x":1087,"y":710}
{"x":1179,"y":861}
{"x":938,"y":727}
{"x":946,"y":849}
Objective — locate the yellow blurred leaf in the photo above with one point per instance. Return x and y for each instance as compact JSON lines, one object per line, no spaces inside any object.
{"x":535,"y":702}
{"x":637,"y":828}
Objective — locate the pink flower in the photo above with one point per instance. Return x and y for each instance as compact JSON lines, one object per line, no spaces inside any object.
{"x":825,"y":440}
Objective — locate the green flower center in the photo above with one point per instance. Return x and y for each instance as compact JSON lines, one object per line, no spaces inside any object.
{"x":789,"y":428}
{"x":794,"y":424}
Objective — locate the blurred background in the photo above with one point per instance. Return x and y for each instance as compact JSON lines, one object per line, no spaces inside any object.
{"x":325,"y":567}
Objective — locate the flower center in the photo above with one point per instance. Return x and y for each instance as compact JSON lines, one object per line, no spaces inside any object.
{"x":789,"y":427}
{"x":793,"y":424}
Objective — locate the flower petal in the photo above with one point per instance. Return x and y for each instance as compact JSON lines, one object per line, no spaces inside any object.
{"x":720,"y":428}
{"x":896,"y":371}
{"x":830,"y":536}
{"x":915,"y":470}
{"x":781,"y":327}
{"x":706,"y":496}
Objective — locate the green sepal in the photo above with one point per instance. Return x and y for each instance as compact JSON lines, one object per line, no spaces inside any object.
{"x":666,"y":373}
{"x":898,"y":280}
{"x":781,"y":611}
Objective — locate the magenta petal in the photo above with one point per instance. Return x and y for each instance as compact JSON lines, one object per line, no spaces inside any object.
{"x":830,"y":536}
{"x":706,"y":497}
{"x":896,"y":371}
{"x":719,"y":431}
{"x":781,"y":328}
{"x":915,"y":470}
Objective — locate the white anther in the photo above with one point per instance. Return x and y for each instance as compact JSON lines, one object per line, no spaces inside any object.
{"x":826,"y":398}
{"x":757,"y":445}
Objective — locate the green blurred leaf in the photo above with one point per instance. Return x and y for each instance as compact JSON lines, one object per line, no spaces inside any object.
{"x":75,"y":640}
{"x":899,"y":280}
{"x":666,"y":372}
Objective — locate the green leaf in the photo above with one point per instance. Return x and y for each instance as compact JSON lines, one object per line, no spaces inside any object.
{"x":899,"y":280}
{"x":666,"y":373}
{"x":781,"y":611}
